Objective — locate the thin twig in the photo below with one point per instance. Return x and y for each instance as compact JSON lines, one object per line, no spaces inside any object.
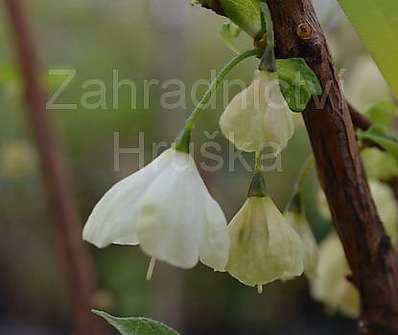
{"x":77,"y":264}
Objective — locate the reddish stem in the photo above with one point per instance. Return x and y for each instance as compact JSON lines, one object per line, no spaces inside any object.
{"x":77,"y":264}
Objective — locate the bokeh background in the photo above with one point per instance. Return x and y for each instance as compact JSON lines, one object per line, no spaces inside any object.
{"x":143,"y":40}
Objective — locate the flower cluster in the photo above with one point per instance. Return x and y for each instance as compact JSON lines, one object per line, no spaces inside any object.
{"x":167,"y":210}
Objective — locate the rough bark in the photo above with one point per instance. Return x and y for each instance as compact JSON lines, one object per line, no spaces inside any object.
{"x":368,"y":249}
{"x":78,"y":268}
{"x":330,"y":127}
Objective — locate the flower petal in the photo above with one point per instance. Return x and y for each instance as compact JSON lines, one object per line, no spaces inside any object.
{"x":300,"y":224}
{"x":215,"y":246}
{"x":170,"y":222}
{"x":113,"y":218}
{"x":331,"y":286}
{"x":258,"y":116}
{"x":264,"y":247}
{"x":242,"y":123}
{"x":278,"y":120}
{"x":249,"y":244}
{"x":285,"y":244}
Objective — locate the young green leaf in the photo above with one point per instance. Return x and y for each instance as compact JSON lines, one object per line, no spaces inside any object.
{"x":136,"y":326}
{"x":379,"y":164}
{"x":382,"y":137}
{"x":298,"y":82}
{"x":382,"y":113}
{"x":376,"y":24}
{"x":244,"y":13}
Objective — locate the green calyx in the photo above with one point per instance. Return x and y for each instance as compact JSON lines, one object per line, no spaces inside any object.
{"x":183,"y":140}
{"x":258,"y":188}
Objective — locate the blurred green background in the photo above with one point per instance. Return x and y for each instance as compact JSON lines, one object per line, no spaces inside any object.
{"x":143,"y":40}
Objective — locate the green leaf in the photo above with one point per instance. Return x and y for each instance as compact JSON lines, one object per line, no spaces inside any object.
{"x":298,"y":82}
{"x":379,"y":164}
{"x":136,"y":326}
{"x":382,"y":137}
{"x":246,"y":14}
{"x":382,"y":113}
{"x":376,"y":22}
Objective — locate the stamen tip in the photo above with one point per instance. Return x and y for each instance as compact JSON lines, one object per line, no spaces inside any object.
{"x":259,"y":289}
{"x":151,"y":268}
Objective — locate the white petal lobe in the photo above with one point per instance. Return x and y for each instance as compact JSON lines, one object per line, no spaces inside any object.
{"x":113,"y":218}
{"x":215,"y":247}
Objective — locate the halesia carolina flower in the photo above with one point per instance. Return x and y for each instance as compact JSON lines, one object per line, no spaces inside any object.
{"x":259,"y":116}
{"x":331,"y":286}
{"x":167,"y":210}
{"x":296,"y":217}
{"x":264,"y":247}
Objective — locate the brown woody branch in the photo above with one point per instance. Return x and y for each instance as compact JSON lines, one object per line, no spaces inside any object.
{"x":368,"y":249}
{"x":331,"y":131}
{"x":360,"y":121}
{"x":77,"y":265}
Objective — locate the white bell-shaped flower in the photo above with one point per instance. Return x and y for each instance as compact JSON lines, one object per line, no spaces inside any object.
{"x":259,"y":116}
{"x":167,"y":210}
{"x":296,"y":217}
{"x":331,"y":286}
{"x":264,"y":247}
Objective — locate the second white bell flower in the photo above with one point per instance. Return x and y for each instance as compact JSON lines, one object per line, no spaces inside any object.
{"x":259,"y":116}
{"x":167,"y":210}
{"x":264,"y":247}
